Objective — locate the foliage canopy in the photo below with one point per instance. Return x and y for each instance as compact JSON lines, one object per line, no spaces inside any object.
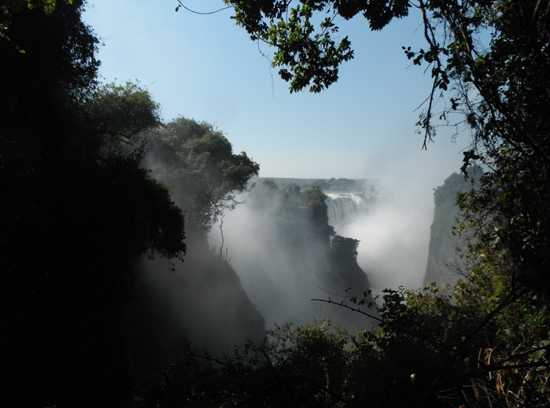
{"x":198,"y":162}
{"x":76,"y":216}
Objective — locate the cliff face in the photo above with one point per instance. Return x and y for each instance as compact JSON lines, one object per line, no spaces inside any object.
{"x":346,"y":199}
{"x":446,"y":262}
{"x":199,"y":302}
{"x":345,"y":274}
{"x":286,"y":253}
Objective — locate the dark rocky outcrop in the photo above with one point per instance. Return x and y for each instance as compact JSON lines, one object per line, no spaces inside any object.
{"x":198,"y":303}
{"x":346,"y":199}
{"x":446,"y":263}
{"x":292,"y":254}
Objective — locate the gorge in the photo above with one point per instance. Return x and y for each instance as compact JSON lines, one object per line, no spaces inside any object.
{"x":287,"y":241}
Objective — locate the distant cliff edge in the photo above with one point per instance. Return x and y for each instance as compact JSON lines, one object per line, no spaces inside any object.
{"x":446,"y":263}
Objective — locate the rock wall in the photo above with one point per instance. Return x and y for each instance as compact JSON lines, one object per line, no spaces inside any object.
{"x":283,"y":247}
{"x":199,"y":303}
{"x":446,"y":263}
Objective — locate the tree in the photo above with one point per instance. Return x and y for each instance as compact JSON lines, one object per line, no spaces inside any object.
{"x":488,"y":60}
{"x":76,"y":217}
{"x":11,"y":7}
{"x":121,"y":112}
{"x":198,"y":162}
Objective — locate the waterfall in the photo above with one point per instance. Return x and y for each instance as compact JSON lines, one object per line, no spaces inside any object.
{"x":344,"y":207}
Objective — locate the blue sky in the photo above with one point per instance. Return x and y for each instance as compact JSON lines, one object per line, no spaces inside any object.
{"x":204,"y":67}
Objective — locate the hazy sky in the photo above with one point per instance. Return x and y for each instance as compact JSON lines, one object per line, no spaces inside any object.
{"x":204,"y":67}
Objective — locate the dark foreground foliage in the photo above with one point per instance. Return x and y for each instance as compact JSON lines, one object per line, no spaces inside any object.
{"x":430,"y":349}
{"x":76,"y":212}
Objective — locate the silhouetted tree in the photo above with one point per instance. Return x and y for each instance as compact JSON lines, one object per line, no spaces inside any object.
{"x":75,"y":218}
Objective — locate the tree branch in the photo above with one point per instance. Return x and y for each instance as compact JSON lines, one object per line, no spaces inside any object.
{"x":348,"y":307}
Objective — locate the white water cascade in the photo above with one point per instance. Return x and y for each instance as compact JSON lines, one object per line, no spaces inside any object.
{"x":344,"y":207}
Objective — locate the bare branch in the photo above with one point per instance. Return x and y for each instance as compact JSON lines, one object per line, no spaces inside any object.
{"x":348,"y":307}
{"x":202,"y":13}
